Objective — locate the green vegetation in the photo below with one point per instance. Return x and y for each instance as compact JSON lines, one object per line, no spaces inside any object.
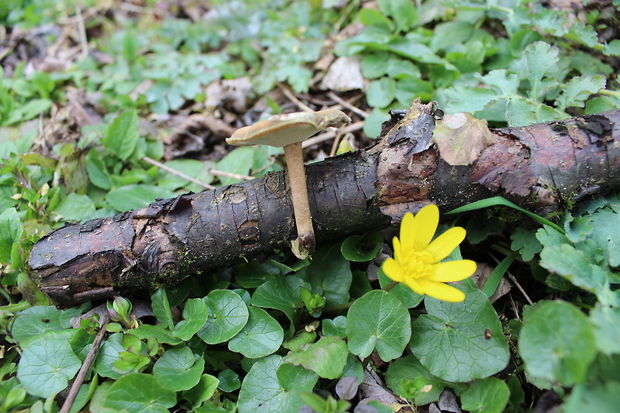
{"x":91,"y":92}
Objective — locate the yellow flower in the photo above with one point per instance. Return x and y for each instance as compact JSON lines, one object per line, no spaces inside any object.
{"x":416,"y":259}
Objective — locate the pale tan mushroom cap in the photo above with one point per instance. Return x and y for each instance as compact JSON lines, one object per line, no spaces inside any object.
{"x":283,"y":130}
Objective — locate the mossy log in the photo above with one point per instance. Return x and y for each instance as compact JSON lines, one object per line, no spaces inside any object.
{"x":542,"y":167}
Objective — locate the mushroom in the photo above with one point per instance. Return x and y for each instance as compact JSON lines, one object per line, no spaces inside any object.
{"x":289,"y":131}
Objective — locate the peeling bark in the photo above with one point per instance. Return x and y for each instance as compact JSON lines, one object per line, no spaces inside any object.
{"x":541,"y":167}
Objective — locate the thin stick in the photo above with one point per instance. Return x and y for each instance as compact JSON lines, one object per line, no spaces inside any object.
{"x":514,"y":280}
{"x":225,"y":174}
{"x":177,"y":173}
{"x":88,"y":361}
{"x":290,"y":96}
{"x":82,"y":33}
{"x":347,"y":105}
{"x":331,"y":134}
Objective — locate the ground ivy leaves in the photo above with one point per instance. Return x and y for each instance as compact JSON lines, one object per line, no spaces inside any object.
{"x":195,"y":315}
{"x":137,"y":392}
{"x":460,"y":342}
{"x":327,"y":357}
{"x":282,"y":294}
{"x":261,"y":390}
{"x":489,"y":395}
{"x":178,"y":369}
{"x":557,"y":343}
{"x":378,"y":320}
{"x":47,"y":364}
{"x":228,"y":314}
{"x":261,"y":336}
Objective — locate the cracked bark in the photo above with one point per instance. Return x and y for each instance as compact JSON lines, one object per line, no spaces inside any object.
{"x":541,"y":167}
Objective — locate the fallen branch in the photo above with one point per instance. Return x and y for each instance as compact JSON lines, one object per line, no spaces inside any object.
{"x":542,"y":167}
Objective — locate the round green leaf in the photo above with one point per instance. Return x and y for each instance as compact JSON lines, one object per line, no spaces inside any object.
{"x":229,"y":380}
{"x":47,"y":364}
{"x":460,"y":342}
{"x":261,"y":390}
{"x":362,"y":248}
{"x":108,"y":354}
{"x":381,"y":92}
{"x":228,"y":314}
{"x":202,"y":391}
{"x":195,"y":314}
{"x":129,"y":197}
{"x":139,"y":393}
{"x":281,"y":293}
{"x":557,"y":343}
{"x":327,"y":357}
{"x":178,"y":369}
{"x":407,"y":369}
{"x":378,"y":320}
{"x":486,"y":396}
{"x":260,"y":337}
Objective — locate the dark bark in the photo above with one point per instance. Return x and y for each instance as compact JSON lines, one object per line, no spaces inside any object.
{"x":542,"y":167}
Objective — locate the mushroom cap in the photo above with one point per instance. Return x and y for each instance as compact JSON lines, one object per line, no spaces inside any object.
{"x":283,"y":130}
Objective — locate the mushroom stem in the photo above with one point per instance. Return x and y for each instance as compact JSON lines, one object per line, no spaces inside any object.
{"x":303,"y":246}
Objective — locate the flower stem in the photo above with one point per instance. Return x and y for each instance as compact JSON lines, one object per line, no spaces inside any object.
{"x":390,"y":286}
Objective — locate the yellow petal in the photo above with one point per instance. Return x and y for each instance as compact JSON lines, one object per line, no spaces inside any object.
{"x":415,"y":285}
{"x":393,"y":270}
{"x":444,"y":244}
{"x":424,"y":226}
{"x":396,"y":244}
{"x":452,"y":271}
{"x":443,"y":292}
{"x":406,"y":232}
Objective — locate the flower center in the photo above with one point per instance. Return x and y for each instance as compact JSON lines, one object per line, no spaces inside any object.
{"x":417,"y":264}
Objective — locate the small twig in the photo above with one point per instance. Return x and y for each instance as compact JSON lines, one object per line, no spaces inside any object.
{"x":290,"y":96}
{"x":335,"y":144}
{"x":272,"y":160}
{"x":331,"y":134}
{"x":88,"y":361}
{"x":225,"y":174}
{"x":347,"y":105}
{"x":177,"y":173}
{"x":514,"y":280}
{"x":82,"y":33}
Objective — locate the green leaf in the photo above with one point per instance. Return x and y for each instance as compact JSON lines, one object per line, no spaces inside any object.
{"x":47,"y":364}
{"x":578,"y":89}
{"x":372,"y":124}
{"x":238,"y":161}
{"x":362,"y":248}
{"x":282,"y":294}
{"x":336,"y":327}
{"x":108,"y":354}
{"x":261,"y":390}
{"x":593,"y":397}
{"x":371,"y":17}
{"x":228,"y":314}
{"x":97,"y":171}
{"x":195,"y":315}
{"x":402,"y":11}
{"x":38,"y":320}
{"x":402,"y":372}
{"x":158,"y":332}
{"x":261,"y":336}
{"x":75,"y":208}
{"x":538,"y":60}
{"x":229,"y":381}
{"x":574,"y":265}
{"x":489,"y":395}
{"x":130,"y":197}
{"x":606,"y":325}
{"x":327,"y":357}
{"x":381,"y":92}
{"x":140,"y":393}
{"x":123,"y":134}
{"x":10,"y":231}
{"x":161,"y":308}
{"x":525,"y":243}
{"x":329,"y":274}
{"x":556,"y":343}
{"x":373,"y":64}
{"x":178,"y":369}
{"x":452,"y":339}
{"x":378,"y":321}
{"x":203,"y":391}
